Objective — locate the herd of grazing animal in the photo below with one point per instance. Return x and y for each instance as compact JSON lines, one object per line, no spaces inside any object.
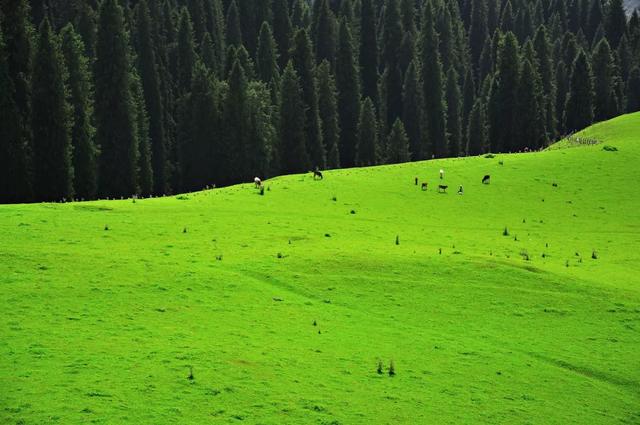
{"x":442,"y":188}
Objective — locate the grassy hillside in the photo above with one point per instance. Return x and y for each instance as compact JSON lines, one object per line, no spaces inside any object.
{"x":102,"y":326}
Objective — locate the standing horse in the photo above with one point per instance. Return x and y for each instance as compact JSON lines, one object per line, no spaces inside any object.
{"x":317,"y":175}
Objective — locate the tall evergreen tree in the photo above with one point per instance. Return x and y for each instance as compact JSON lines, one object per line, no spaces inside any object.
{"x":150,"y":80}
{"x":413,"y":111}
{"x":477,"y":129}
{"x":367,"y":144}
{"x":578,"y":112}
{"x":603,"y":82}
{"x":454,"y":113}
{"x":115,"y":106}
{"x":198,"y":144}
{"x":503,"y":120}
{"x":530,"y":114}
{"x":186,"y":53}
{"x":262,"y":134}
{"x":392,"y":34}
{"x":324,"y":36}
{"x":615,"y":23}
{"x":302,"y":57}
{"x":294,"y":157}
{"x":80,"y":87}
{"x":478,"y":31}
{"x":468,"y":97}
{"x":19,"y":52}
{"x":266,"y":57}
{"x":282,"y":30}
{"x":328,"y":111}
{"x":433,"y":87}
{"x":562,"y":86}
{"x":236,"y":126}
{"x":547,"y":79}
{"x":234,"y":30}
{"x":398,"y":144}
{"x":52,"y":121}
{"x":633,"y":91}
{"x":145,"y":168}
{"x":368,"y":52}
{"x":347,"y":82}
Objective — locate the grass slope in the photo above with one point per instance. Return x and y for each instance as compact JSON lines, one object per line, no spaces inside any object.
{"x":101,"y":326}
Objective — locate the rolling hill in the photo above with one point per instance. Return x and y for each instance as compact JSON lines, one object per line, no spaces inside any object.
{"x":516,"y":302}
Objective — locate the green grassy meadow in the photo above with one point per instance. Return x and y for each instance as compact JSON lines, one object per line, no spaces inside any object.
{"x":102,"y":326}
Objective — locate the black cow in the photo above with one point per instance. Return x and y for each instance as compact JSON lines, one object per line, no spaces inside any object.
{"x":486,"y":179}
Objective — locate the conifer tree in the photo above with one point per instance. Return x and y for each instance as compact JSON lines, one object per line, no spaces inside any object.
{"x":478,"y":30}
{"x":468,"y":98}
{"x":293,"y":155}
{"x":261,"y":137}
{"x":324,"y":35}
{"x":413,"y":111}
{"x":367,"y":144}
{"x":186,"y":53}
{"x":562,"y":88}
{"x":145,"y":168}
{"x":392,"y":34}
{"x":15,"y":20}
{"x":604,"y":82}
{"x":85,"y":25}
{"x":530,"y":114}
{"x":547,"y":79}
{"x":234,"y":30}
{"x":236,"y":126}
{"x":115,"y":105}
{"x":282,"y":30}
{"x":454,"y":113}
{"x":578,"y":112}
{"x":615,"y":23}
{"x":302,"y":57}
{"x":150,"y":80}
{"x":433,"y":87}
{"x":368,"y":52}
{"x":328,"y":111}
{"x":198,"y":134}
{"x":398,"y":144}
{"x":633,"y":91}
{"x":477,"y":129}
{"x":347,"y":83}
{"x":80,"y":90}
{"x":52,"y":121}
{"x":266,"y":57}
{"x":503,"y":120}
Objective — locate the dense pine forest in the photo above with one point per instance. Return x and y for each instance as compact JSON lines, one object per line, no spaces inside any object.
{"x":114,"y":98}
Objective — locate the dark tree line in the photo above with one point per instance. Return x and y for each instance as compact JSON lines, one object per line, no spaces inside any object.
{"x":111,"y":98}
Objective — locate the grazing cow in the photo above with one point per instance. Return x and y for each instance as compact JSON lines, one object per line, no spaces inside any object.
{"x":258,"y":182}
{"x":486,"y":179}
{"x":441,"y":174}
{"x":317,"y":175}
{"x":424,"y":186}
{"x":442,"y":188}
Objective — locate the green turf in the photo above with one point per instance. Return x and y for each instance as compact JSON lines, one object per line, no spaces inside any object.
{"x":101,"y":326}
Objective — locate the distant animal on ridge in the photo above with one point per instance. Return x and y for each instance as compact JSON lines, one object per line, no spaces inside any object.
{"x":486,"y":179}
{"x":424,"y":186}
{"x":257,"y":182}
{"x":441,"y":174}
{"x":317,"y":175}
{"x":442,"y":188}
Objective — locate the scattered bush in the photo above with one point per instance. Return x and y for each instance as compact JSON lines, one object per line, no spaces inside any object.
{"x":594,"y":255}
{"x":106,"y":227}
{"x":525,"y":255}
{"x":397,"y":240}
{"x":505,"y":232}
{"x":554,"y":184}
{"x":190,"y":377}
{"x":380,"y":368}
{"x":334,"y":199}
{"x":489,"y":156}
{"x":609,"y":148}
{"x":327,"y":235}
{"x":353,"y":211}
{"x":219,"y":257}
{"x":315,"y":323}
{"x":392,"y":369}
{"x":184,"y":230}
{"x":280,"y":255}
{"x":501,"y":162}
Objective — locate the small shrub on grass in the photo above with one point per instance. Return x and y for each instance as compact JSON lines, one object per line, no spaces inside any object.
{"x":261,"y":190}
{"x":106,"y":227}
{"x":334,"y":199}
{"x":327,"y":235}
{"x":190,"y":377}
{"x":379,"y":369}
{"x":219,"y":257}
{"x":184,"y":230}
{"x":501,"y":162}
{"x":594,"y":255}
{"x":609,"y":148}
{"x":353,"y":211}
{"x":315,"y":323}
{"x":566,"y":263}
{"x":397,"y":240}
{"x":489,"y":156}
{"x":392,"y":369}
{"x":280,"y":255}
{"x":505,"y":232}
{"x":525,"y":255}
